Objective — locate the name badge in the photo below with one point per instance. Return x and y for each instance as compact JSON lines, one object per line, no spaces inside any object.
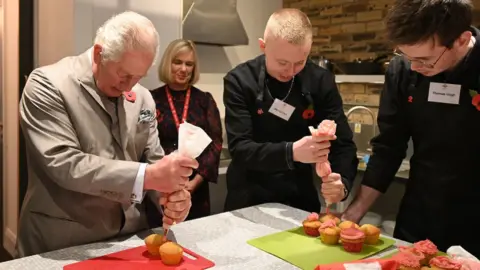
{"x":444,"y":93}
{"x":281,"y":109}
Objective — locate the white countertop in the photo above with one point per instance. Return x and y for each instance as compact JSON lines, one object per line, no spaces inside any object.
{"x":221,"y":238}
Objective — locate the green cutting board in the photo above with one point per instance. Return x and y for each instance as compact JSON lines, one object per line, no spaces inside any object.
{"x":306,"y":252}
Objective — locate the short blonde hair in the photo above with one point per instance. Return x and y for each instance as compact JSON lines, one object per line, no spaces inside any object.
{"x":289,"y":24}
{"x":174,"y":48}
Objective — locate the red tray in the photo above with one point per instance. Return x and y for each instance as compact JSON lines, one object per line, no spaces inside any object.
{"x":139,"y":258}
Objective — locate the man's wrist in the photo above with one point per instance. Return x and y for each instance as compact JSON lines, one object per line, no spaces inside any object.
{"x":148,"y":178}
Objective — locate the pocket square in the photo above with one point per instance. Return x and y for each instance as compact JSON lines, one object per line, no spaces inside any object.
{"x":146,"y":116}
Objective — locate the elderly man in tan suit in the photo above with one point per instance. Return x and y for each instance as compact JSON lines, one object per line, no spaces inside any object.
{"x":90,"y":132}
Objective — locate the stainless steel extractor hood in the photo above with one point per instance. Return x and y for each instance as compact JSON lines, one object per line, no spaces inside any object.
{"x":213,"y":22}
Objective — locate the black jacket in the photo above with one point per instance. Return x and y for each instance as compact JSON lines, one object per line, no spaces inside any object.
{"x":262,"y":167}
{"x":441,"y":193}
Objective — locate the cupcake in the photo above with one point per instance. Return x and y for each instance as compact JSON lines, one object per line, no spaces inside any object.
{"x":372,"y":234}
{"x":413,"y":251}
{"x":348,"y":224}
{"x":171,"y":253}
{"x":330,"y":217}
{"x":352,"y":239}
{"x":153,"y":243}
{"x":444,"y":263}
{"x":311,"y":225}
{"x":427,"y":248}
{"x":407,"y":261}
{"x":329,"y":232}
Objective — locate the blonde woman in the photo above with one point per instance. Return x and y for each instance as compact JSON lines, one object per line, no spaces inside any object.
{"x":177,"y":101}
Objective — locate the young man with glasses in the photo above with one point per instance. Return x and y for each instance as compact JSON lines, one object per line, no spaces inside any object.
{"x":430,"y":96}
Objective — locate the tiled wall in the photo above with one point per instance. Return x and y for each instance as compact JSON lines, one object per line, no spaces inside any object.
{"x":367,"y":95}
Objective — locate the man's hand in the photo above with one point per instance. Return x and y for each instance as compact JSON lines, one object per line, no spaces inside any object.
{"x":312,"y":149}
{"x":333,"y":189}
{"x":193,"y":184}
{"x":364,"y":199}
{"x":169,"y":174}
{"x":176,"y":207}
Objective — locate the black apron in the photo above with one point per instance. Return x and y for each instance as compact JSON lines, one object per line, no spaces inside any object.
{"x":442,"y":197}
{"x":291,"y":187}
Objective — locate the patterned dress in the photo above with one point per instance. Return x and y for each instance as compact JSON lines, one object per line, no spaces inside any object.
{"x":202,"y":112}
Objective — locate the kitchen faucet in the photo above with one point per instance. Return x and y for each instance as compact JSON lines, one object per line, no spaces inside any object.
{"x":369,"y":112}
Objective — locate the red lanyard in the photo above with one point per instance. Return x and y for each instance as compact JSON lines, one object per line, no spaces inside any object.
{"x":174,"y":111}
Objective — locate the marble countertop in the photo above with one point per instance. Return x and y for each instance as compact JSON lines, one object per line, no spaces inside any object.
{"x":212,"y":237}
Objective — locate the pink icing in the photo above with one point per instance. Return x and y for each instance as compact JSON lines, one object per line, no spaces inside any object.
{"x":427,"y":247}
{"x":407,"y":259}
{"x":413,"y":251}
{"x":328,"y":224}
{"x":352,"y":233}
{"x":445,"y":262}
{"x":327,"y":127}
{"x":313,"y":217}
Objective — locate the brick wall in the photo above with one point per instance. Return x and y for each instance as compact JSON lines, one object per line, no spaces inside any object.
{"x":349,"y":29}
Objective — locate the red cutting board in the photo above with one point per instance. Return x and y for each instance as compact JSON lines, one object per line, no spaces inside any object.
{"x":139,"y":258}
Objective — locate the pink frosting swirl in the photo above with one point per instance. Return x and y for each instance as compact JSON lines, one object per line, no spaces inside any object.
{"x":445,"y":263}
{"x":407,"y":259}
{"x":426,"y":247}
{"x":313,"y":217}
{"x":328,"y":224}
{"x":413,"y":251}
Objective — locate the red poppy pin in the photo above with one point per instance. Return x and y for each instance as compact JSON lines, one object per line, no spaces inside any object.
{"x":475,"y":99}
{"x":308,"y":113}
{"x":130,"y":96}
{"x":410,"y":99}
{"x":259,"y":111}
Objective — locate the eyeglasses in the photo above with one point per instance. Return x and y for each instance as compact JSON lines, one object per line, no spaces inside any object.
{"x":420,"y":62}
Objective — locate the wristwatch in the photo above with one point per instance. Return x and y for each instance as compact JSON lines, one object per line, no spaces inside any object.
{"x":345,"y":191}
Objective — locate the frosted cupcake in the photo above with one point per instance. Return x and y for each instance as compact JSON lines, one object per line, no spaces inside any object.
{"x":427,"y":248}
{"x":413,"y":251}
{"x":407,"y":261}
{"x":329,"y":232}
{"x":311,"y":225}
{"x":352,"y":239}
{"x":326,"y":217}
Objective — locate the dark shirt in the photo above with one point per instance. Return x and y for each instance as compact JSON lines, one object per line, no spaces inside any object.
{"x":441,"y":193}
{"x":260,"y":143}
{"x":202,"y":112}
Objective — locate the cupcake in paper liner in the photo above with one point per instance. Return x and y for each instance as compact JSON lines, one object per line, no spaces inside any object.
{"x":352,"y":239}
{"x":311,"y":225}
{"x":372,"y":234}
{"x":329,"y":232}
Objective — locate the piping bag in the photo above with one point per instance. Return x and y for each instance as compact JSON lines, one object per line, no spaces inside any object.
{"x":192,"y":141}
{"x":323,"y":169}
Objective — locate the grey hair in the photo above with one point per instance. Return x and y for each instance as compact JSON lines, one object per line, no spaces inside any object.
{"x":127,"y":31}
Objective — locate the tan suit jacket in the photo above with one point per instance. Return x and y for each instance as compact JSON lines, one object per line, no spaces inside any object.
{"x":83,"y":158}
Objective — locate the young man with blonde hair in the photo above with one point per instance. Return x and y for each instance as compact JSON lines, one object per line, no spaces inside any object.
{"x":270,"y":102}
{"x":92,"y":144}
